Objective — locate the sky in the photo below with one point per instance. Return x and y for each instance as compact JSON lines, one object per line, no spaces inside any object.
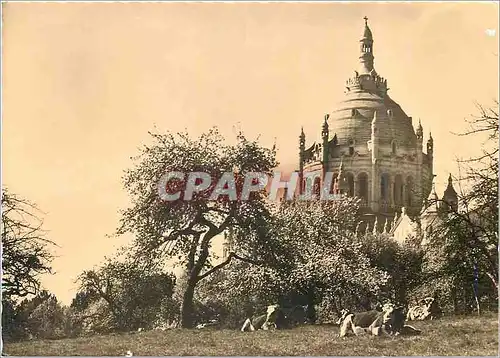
{"x":83,"y":83}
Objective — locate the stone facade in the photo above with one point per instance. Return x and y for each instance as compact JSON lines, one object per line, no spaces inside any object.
{"x":375,"y":143}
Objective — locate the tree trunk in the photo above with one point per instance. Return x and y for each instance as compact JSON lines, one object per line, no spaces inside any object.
{"x":493,"y":280}
{"x":187,"y":308}
{"x":401,"y":293}
{"x":194,"y":269}
{"x":478,"y":307}
{"x":454,"y":300}
{"x":311,"y":311}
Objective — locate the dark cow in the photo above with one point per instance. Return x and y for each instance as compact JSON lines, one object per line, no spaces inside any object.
{"x":390,"y":320}
{"x":296,"y":315}
{"x":398,"y":326}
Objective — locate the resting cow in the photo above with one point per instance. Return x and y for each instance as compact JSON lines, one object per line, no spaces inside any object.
{"x":296,"y":315}
{"x":274,"y":318}
{"x":390,"y":320}
{"x":426,"y":308}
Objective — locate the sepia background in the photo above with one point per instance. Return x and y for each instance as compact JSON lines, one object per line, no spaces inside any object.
{"x":84,"y":82}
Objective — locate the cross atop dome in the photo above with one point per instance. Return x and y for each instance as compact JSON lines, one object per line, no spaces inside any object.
{"x":366,"y":20}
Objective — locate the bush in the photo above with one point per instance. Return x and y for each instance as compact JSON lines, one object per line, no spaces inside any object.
{"x":13,"y":327}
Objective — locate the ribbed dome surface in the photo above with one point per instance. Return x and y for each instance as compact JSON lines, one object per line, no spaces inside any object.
{"x":353,"y":117}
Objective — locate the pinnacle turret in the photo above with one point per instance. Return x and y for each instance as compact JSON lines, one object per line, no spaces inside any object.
{"x":430,"y":145}
{"x":325,"y":131}
{"x":366,"y":50}
{"x":302,"y":137}
{"x":420,"y":131}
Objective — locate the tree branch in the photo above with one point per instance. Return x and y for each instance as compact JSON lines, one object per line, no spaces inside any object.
{"x":226,"y":262}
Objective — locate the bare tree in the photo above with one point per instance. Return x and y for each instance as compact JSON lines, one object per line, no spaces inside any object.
{"x":467,"y":235}
{"x":25,"y":254}
{"x":480,"y":201}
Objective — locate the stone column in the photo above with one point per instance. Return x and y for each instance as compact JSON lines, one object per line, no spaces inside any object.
{"x":375,"y":189}
{"x":356,"y":189}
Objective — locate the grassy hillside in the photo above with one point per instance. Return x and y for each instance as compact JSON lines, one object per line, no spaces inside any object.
{"x":448,"y":336}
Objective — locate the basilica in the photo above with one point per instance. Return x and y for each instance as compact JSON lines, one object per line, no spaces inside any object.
{"x":376,"y":154}
{"x":372,"y":147}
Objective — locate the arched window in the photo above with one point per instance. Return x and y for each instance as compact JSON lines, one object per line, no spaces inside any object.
{"x":398,"y":190}
{"x":384,"y":187}
{"x":394,"y":147}
{"x":333,"y":186}
{"x":409,"y":192}
{"x":285,"y":193}
{"x":309,"y":187}
{"x":351,"y":146}
{"x":350,"y":184}
{"x":363,"y":187}
{"x":317,"y":186}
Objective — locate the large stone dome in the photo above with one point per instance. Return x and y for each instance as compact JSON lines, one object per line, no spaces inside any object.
{"x":353,"y":116}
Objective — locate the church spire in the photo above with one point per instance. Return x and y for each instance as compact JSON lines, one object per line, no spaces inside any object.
{"x":450,"y":197}
{"x":366,"y":50}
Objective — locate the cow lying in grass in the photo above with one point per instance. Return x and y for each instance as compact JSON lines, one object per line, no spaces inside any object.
{"x":296,"y":315}
{"x":389,"y":321}
{"x":273,"y":319}
{"x":426,"y":308}
{"x":276,"y":318}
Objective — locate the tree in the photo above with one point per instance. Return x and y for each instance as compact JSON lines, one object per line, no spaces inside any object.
{"x":240,"y":290}
{"x":25,"y":253}
{"x":314,"y":258}
{"x":401,"y":262}
{"x":480,"y":202}
{"x":323,"y":259}
{"x":462,"y":253}
{"x":184,"y":230}
{"x":49,"y":320}
{"x":17,"y":320}
{"x":132,"y":293}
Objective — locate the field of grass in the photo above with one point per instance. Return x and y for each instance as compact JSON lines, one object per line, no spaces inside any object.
{"x":448,"y":336}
